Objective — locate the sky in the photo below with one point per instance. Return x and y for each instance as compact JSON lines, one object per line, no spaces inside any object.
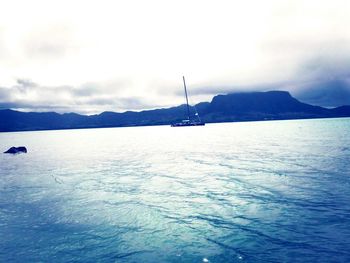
{"x":94,"y":56}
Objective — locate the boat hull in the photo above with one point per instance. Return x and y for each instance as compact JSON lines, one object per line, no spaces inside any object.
{"x":181,"y":124}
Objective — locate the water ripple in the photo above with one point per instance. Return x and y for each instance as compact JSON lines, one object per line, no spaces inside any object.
{"x":156,"y":194}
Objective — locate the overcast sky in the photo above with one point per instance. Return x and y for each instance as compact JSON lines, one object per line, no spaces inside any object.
{"x":92,"y":56}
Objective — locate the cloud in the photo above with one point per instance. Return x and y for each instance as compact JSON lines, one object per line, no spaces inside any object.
{"x":326,"y":67}
{"x":324,"y":81}
{"x":49,"y":42}
{"x":4,"y":94}
{"x":88,"y":98}
{"x":93,"y":61}
{"x":330,"y":93}
{"x":26,"y":83}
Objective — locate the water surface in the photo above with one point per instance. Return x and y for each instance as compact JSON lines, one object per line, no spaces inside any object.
{"x":275,"y":191}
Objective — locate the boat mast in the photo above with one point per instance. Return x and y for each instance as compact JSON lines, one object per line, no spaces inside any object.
{"x":188,"y":107}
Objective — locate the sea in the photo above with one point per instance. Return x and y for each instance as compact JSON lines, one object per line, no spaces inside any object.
{"x":270,"y":191}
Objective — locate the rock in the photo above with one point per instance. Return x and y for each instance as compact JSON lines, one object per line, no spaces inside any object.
{"x":14,"y":150}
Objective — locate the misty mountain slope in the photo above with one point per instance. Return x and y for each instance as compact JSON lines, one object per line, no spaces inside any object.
{"x":327,"y":94}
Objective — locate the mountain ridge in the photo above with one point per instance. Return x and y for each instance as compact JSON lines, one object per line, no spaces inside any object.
{"x":242,"y":106}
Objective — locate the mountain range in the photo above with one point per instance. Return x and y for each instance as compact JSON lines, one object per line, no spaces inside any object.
{"x":252,"y":106}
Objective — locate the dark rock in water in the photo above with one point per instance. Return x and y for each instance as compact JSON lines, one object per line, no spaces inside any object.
{"x":14,"y":150}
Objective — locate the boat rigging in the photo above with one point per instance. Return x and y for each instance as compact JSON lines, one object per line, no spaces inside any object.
{"x":189,"y":121}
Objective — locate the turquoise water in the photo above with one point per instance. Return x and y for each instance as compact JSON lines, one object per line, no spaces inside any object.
{"x":275,"y":191}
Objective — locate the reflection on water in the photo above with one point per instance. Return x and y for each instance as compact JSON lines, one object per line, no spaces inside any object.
{"x":274,"y":191}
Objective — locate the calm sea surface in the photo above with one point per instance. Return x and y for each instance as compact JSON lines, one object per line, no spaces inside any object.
{"x":276,"y":191}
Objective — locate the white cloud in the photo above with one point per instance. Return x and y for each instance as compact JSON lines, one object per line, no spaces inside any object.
{"x":148,"y":45}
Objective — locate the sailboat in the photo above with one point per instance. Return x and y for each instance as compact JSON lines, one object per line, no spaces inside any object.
{"x":189,"y":121}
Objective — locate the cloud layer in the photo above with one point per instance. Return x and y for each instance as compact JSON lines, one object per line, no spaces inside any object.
{"x":130,"y":55}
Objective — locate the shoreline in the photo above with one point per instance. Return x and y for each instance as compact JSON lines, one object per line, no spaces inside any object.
{"x":168,"y":124}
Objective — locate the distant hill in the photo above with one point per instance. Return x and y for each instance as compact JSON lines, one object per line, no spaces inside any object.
{"x":272,"y":105}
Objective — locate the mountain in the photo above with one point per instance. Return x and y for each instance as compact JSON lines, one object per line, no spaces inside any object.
{"x":272,"y":105}
{"x":261,"y":106}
